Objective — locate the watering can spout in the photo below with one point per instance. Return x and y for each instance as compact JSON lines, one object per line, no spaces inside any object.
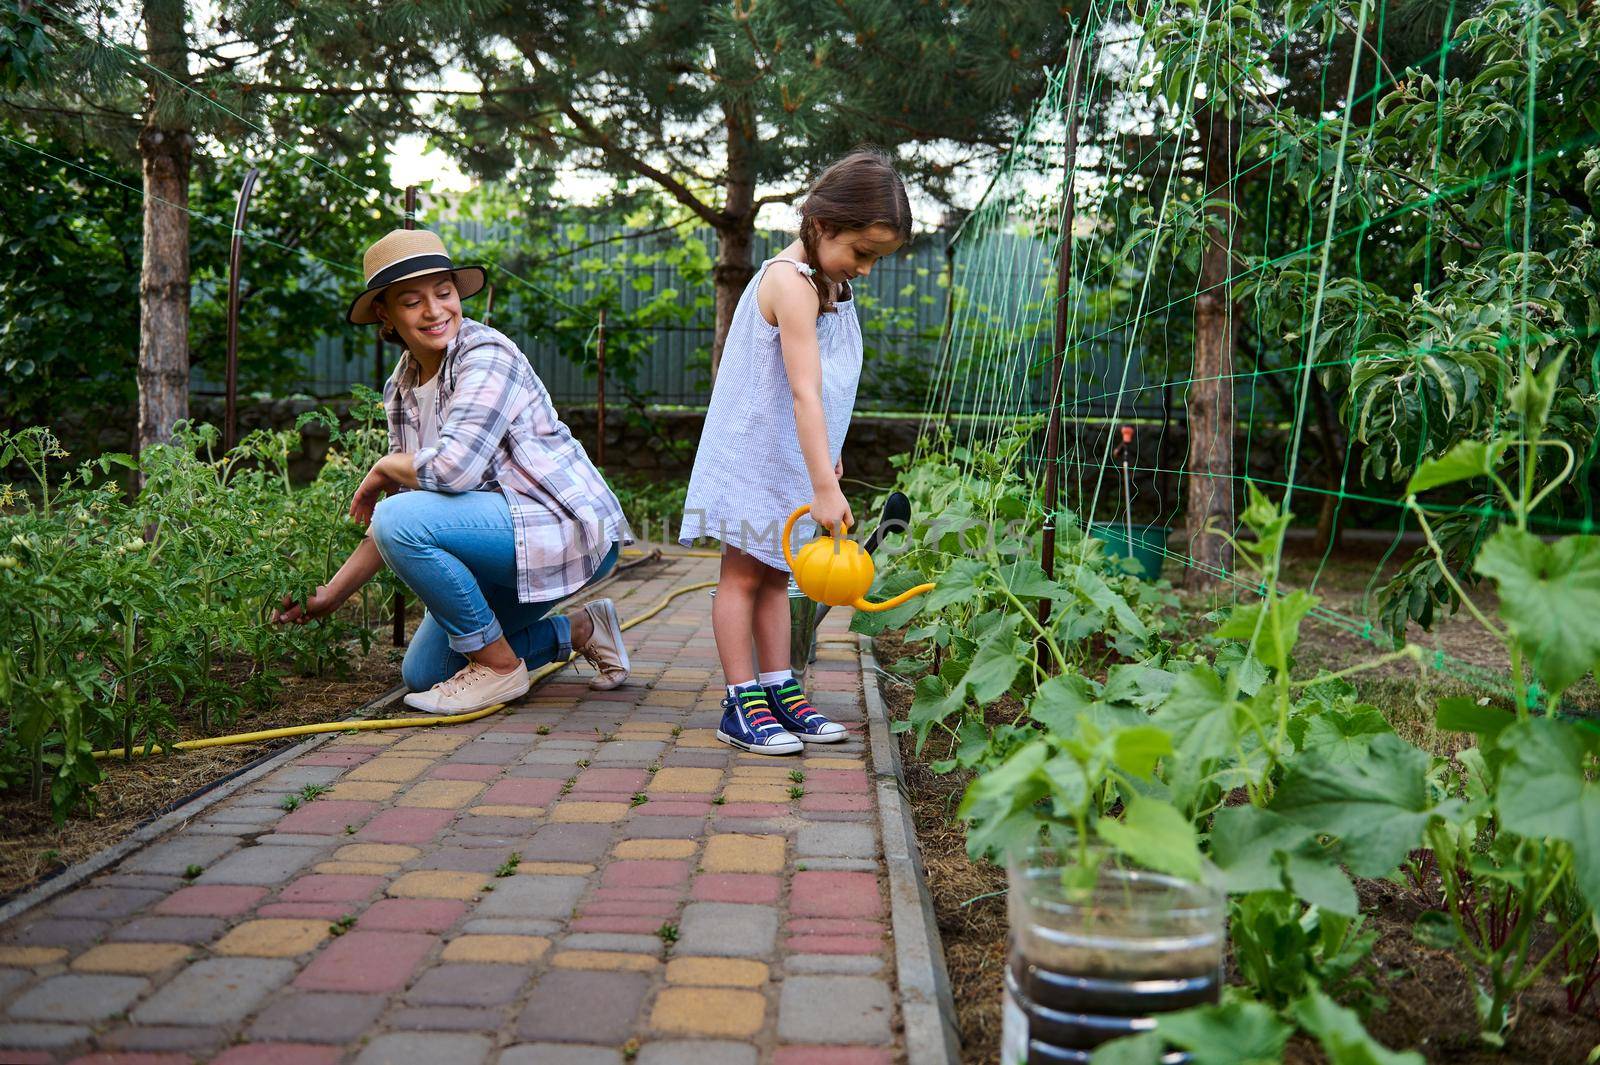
{"x":837,"y":571}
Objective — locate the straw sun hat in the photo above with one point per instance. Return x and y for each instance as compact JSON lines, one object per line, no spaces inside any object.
{"x":401,"y":256}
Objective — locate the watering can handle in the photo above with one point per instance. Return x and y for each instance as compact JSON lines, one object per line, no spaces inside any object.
{"x":861,"y":602}
{"x":788,"y":528}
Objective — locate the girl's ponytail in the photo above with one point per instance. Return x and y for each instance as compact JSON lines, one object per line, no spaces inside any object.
{"x":857,"y":192}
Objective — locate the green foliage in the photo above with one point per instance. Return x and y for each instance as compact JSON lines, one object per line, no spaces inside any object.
{"x":118,"y":615}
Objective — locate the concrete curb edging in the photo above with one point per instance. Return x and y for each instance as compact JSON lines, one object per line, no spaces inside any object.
{"x":926,"y":1004}
{"x":77,"y":873}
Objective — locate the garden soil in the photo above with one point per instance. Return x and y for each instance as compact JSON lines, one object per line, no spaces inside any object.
{"x":137,"y":791}
{"x":1428,"y":995}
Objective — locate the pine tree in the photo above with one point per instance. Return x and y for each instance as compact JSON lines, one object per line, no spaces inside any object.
{"x":724,"y":108}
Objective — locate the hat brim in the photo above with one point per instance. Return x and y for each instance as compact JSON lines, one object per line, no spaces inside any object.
{"x":470,"y":280}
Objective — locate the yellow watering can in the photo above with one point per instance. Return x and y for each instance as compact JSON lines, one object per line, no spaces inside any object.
{"x":836,"y":571}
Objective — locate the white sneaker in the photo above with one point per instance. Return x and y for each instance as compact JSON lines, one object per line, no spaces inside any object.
{"x":474,"y":688}
{"x":605,"y":650}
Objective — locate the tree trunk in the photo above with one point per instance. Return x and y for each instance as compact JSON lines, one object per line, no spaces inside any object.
{"x":736,"y":235}
{"x":1209,"y":499}
{"x":165,"y":147}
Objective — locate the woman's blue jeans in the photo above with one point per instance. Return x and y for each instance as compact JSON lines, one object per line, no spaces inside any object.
{"x":457,"y":553}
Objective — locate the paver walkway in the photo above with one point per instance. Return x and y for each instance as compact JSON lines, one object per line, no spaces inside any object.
{"x":583,"y":879}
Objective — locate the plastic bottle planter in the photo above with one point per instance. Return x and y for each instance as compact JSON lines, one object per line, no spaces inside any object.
{"x":1091,"y":964}
{"x":837,"y":571}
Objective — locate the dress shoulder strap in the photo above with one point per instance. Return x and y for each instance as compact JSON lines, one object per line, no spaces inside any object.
{"x":804,"y":269}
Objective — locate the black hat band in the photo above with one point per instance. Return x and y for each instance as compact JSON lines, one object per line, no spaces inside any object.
{"x":414,"y":264}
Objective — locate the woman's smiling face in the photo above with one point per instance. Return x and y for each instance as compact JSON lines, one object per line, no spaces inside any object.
{"x":425,"y":311}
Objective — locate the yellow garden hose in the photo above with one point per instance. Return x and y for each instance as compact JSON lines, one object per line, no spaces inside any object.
{"x":400,"y":722}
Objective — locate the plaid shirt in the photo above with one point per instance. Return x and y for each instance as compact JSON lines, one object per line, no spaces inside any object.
{"x":498,"y":429}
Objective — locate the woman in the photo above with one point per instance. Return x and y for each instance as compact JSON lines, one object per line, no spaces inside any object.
{"x":493,"y":514}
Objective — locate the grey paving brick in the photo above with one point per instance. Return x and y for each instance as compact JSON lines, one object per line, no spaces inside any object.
{"x":466,"y":860}
{"x":468,"y":985}
{"x":164,"y":884}
{"x":41,"y":1036}
{"x":669,"y":827}
{"x":840,"y":865}
{"x":318,"y":1017}
{"x":434,"y":1048}
{"x":59,"y":932}
{"x":477,"y":753}
{"x":216,"y":991}
{"x":727,"y":929}
{"x":834,"y":1009}
{"x":552,"y":756}
{"x":503,"y":737}
{"x":513,"y":926}
{"x":848,"y":964}
{"x":629,"y":752}
{"x":623,"y":941}
{"x":105,"y":902}
{"x":572,"y":1006}
{"x":569,"y":843}
{"x":296,"y":839}
{"x":541,"y":771}
{"x":10,"y":981}
{"x":445,"y":1019}
{"x":834,"y":840}
{"x":260,"y":865}
{"x":533,"y":896}
{"x":696,"y":1052}
{"x":77,"y":997}
{"x":168,"y":930}
{"x":175,"y":855}
{"x":558,"y":1054}
{"x":161,"y":1038}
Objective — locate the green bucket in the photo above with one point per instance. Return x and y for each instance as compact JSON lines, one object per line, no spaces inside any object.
{"x":1148,"y":550}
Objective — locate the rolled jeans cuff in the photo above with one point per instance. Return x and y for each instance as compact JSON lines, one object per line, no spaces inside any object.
{"x":477,"y":641}
{"x":563,"y":629}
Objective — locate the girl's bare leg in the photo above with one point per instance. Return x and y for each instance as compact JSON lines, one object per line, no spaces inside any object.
{"x":733,"y":613}
{"x":773,"y":621}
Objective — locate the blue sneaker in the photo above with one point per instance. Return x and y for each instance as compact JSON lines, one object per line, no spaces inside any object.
{"x":796,"y":714}
{"x":748,"y":724}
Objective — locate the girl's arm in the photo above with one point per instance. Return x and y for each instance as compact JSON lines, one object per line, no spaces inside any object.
{"x":794,"y":304}
{"x":357,"y":570}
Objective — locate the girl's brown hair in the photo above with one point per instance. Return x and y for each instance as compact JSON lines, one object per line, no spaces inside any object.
{"x":857,"y":192}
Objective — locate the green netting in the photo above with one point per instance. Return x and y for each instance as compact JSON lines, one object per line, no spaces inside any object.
{"x":1308,"y":218}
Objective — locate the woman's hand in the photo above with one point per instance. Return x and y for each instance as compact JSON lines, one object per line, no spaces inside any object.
{"x":374,"y":486}
{"x":829,"y":509}
{"x":319,"y":604}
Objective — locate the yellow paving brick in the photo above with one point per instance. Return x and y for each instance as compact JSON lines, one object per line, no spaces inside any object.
{"x":368,"y":738}
{"x":716,"y":972}
{"x":684,"y":779}
{"x":676,"y":700}
{"x":272,"y":937}
{"x":357,"y":868}
{"x":390,"y":768}
{"x":501,"y":950}
{"x":684,"y":673}
{"x":732,"y":852}
{"x":588,"y":811}
{"x":130,"y":957}
{"x":364,"y":790}
{"x":700,"y":737}
{"x":761,"y":774}
{"x":437,"y":884}
{"x":392,"y":853}
{"x":604,"y":959}
{"x":430,"y":741}
{"x":28,"y":957}
{"x":440,"y":794}
{"x":717,"y":1012}
{"x":655,"y":848}
{"x":495,"y":810}
{"x":755,"y":793}
{"x":556,"y":868}
{"x":833,"y":763}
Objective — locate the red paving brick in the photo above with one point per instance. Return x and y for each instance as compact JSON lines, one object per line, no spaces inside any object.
{"x":366,"y":961}
{"x":211,"y":900}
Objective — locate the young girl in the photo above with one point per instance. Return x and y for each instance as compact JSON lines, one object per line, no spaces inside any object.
{"x":494,"y":512}
{"x":773,"y":435}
